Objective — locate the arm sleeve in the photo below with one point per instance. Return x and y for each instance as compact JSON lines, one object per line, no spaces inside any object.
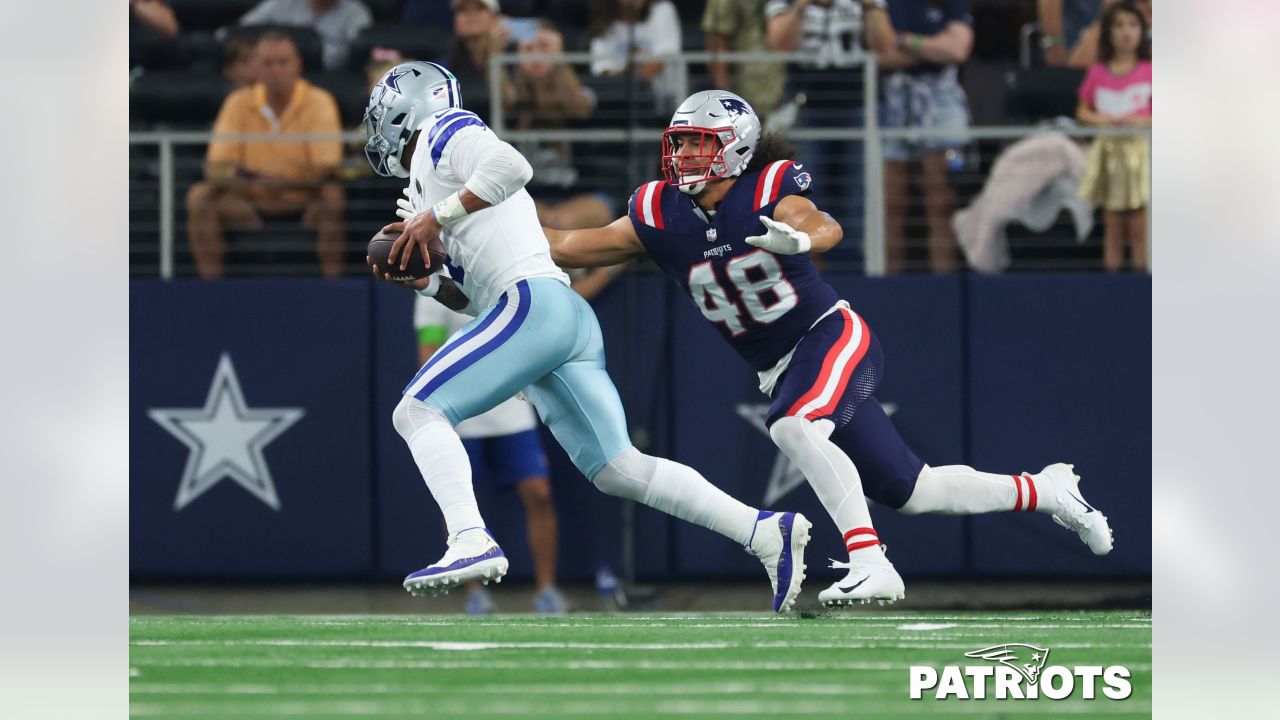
{"x":326,"y":153}
{"x":958,"y":11}
{"x":489,"y":167}
{"x":226,"y":151}
{"x":1088,"y":87}
{"x":773,"y":8}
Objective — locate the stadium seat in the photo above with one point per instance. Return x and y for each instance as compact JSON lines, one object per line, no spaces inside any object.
{"x":521,"y":8}
{"x":418,"y":43}
{"x":1041,"y":93}
{"x":308,"y":42}
{"x":178,"y":99}
{"x":209,"y":15}
{"x":349,"y":89}
{"x":385,"y":11}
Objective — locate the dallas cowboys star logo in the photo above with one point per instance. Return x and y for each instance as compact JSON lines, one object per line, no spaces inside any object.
{"x":392,"y":80}
{"x":226,"y":439}
{"x":785,"y":476}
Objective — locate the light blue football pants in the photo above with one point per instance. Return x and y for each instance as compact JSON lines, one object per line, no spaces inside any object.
{"x":542,"y":338}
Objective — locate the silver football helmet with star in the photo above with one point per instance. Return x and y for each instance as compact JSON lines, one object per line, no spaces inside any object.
{"x":720,"y":128}
{"x":405,"y":96}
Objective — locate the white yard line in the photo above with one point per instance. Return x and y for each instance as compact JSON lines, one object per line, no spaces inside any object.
{"x":636,"y":688}
{"x":444,"y":644}
{"x":530,"y":664}
{"x":894,"y":642}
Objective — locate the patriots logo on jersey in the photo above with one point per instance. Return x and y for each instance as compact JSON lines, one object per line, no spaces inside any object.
{"x":803,"y":179}
{"x":735,"y":107}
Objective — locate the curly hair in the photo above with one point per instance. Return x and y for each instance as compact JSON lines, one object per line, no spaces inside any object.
{"x":773,"y":146}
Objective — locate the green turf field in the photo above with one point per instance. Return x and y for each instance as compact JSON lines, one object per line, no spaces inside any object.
{"x":607,"y":666}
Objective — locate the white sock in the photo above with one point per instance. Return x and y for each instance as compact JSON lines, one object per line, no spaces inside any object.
{"x":442,"y":460}
{"x":834,"y":479}
{"x":961,"y":490}
{"x":677,"y":490}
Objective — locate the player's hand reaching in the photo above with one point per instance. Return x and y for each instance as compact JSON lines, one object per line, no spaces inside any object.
{"x":781,"y":238}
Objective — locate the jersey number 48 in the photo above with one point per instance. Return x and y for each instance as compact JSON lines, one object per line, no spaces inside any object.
{"x":755,"y":276}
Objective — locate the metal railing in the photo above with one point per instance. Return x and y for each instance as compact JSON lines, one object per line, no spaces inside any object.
{"x":635,"y":136}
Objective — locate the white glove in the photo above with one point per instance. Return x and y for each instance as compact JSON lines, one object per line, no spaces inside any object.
{"x":781,"y":238}
{"x":405,"y":210}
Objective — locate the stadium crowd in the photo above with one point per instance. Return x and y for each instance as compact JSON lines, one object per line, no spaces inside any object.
{"x":305,"y":66}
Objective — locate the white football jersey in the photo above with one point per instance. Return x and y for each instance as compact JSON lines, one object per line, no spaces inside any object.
{"x":491,"y":249}
{"x":513,"y":415}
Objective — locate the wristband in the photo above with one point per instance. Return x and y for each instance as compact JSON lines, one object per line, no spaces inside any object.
{"x":433,"y":286}
{"x":1049,"y":41}
{"x":914,"y":43}
{"x":449,"y":210}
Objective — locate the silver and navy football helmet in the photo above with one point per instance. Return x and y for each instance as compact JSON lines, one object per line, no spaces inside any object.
{"x":722,"y":129}
{"x":405,"y":96}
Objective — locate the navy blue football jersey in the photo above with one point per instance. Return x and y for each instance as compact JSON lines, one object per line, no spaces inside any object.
{"x":761,"y":302}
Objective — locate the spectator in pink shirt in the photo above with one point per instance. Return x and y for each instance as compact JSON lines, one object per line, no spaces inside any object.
{"x":1117,"y":93}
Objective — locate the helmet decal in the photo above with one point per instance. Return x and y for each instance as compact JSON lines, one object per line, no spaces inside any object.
{"x":713,"y":134}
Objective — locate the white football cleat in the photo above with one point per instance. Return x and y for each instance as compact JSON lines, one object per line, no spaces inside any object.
{"x":779,"y":540}
{"x":867,"y":580}
{"x":472,"y":555}
{"x":1074,"y":513}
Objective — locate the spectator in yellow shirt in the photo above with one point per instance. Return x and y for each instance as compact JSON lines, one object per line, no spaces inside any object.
{"x":246,"y":180}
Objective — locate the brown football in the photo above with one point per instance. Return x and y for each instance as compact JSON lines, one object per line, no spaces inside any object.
{"x":380,"y":246}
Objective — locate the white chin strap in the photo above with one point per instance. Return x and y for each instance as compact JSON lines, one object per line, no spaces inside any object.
{"x":693,"y":188}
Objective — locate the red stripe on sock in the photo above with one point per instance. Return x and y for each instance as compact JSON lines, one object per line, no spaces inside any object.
{"x":859,"y":531}
{"x":860,"y":545}
{"x":1031,"y":494}
{"x":1017,"y":483}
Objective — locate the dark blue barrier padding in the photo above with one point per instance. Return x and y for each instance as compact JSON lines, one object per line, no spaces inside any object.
{"x":1002,"y":373}
{"x":292,"y":344}
{"x":1060,"y":371}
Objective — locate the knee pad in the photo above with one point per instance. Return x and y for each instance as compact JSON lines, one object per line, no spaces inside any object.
{"x":411,"y":415}
{"x":794,"y":431}
{"x":628,"y":475}
{"x":924,"y":494}
{"x":787,"y":431}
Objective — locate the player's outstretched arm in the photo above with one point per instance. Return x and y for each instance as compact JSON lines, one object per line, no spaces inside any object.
{"x":800,"y":213}
{"x":612,"y":244}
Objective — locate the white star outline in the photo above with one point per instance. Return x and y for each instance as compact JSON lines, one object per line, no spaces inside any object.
{"x":785,"y":476}
{"x":226,"y":438}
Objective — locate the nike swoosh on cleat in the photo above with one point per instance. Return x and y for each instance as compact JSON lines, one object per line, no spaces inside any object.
{"x":1083,"y":504}
{"x":853,"y":587}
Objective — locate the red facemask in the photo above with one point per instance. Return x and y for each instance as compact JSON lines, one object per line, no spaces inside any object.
{"x":706,"y":161}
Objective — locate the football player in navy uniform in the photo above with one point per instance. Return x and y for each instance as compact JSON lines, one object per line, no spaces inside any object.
{"x":731,"y":224}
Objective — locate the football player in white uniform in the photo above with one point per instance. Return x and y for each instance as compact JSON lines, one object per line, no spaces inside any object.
{"x":531,"y":334}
